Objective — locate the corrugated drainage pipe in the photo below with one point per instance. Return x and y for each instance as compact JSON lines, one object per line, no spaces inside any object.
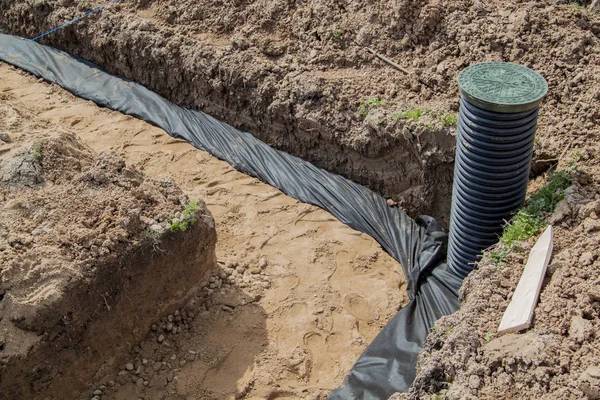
{"x":496,"y":129}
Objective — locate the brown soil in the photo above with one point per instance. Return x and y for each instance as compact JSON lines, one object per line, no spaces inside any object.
{"x":84,"y":247}
{"x":297,"y":74}
{"x":296,"y":296}
{"x":558,"y":357}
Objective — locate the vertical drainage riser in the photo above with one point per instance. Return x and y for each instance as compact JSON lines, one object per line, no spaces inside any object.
{"x":495,"y":135}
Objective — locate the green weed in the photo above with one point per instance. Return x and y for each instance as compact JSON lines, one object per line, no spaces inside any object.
{"x":531,"y":218}
{"x":499,"y":254}
{"x":37,"y":151}
{"x":337,"y":34}
{"x":488,"y":336}
{"x":413,"y":114}
{"x":368,"y":104}
{"x":187,"y":219}
{"x":449,"y":120}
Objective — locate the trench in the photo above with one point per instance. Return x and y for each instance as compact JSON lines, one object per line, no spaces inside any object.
{"x":411,"y":165}
{"x":432,"y":183}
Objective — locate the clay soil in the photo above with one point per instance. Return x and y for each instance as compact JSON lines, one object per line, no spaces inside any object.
{"x":296,"y":296}
{"x":87,"y":259}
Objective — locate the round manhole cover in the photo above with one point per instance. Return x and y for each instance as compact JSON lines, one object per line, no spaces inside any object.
{"x":502,"y":87}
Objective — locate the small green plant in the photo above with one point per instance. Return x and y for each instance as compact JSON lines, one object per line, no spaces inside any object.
{"x":187,"y":219}
{"x":368,"y":104}
{"x":413,"y":114}
{"x":37,"y":151}
{"x":499,"y":254}
{"x":488,"y":336}
{"x":337,"y":34}
{"x":449,"y":120}
{"x":531,"y":218}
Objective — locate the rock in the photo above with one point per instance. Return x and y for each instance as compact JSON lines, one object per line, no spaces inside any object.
{"x":97,"y":392}
{"x":561,"y":211}
{"x":160,"y":338}
{"x":589,"y":382}
{"x":129,"y":366}
{"x":4,"y":137}
{"x":591,"y":225}
{"x":594,"y":293}
{"x":587,"y":258}
{"x":578,"y":328}
{"x":474,"y":382}
{"x":262,"y":263}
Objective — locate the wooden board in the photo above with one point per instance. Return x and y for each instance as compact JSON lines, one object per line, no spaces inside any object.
{"x":519,"y":313}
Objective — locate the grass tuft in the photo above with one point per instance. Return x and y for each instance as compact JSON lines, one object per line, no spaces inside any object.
{"x":187,"y":219}
{"x":449,"y":120}
{"x":368,"y":104}
{"x":413,"y":114}
{"x":37,"y":151}
{"x":532,"y":218}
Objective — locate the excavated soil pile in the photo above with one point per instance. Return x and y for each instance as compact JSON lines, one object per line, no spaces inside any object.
{"x":88,"y":257}
{"x":557,"y":358}
{"x":298,"y":74}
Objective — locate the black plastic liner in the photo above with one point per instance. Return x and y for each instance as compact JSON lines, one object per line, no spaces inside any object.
{"x":388,"y":364}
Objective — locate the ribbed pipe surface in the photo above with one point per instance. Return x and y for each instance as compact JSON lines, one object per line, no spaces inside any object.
{"x":491,"y":171}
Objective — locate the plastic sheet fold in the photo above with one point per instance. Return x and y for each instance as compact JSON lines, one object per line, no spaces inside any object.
{"x":388,"y":364}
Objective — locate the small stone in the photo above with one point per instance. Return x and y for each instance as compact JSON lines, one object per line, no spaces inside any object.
{"x":578,"y":328}
{"x":129,"y":366}
{"x":591,"y":225}
{"x":474,"y":382}
{"x":587,"y":258}
{"x":262,"y":263}
{"x":5,"y":137}
{"x":160,"y":339}
{"x":561,"y":211}
{"x":97,"y":392}
{"x":594,"y":293}
{"x":95,"y":398}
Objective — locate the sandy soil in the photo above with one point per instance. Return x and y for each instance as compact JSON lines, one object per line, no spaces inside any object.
{"x":84,"y":240}
{"x":297,"y":295}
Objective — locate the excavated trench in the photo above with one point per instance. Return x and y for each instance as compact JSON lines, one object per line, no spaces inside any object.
{"x":410,"y":163}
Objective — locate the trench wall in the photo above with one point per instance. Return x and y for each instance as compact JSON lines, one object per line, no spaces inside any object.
{"x":413,"y":166}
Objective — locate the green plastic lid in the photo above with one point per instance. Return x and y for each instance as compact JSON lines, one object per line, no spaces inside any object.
{"x":502,"y":87}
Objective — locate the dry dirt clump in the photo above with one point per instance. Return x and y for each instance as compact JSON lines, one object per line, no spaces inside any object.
{"x":91,"y":251}
{"x":557,"y":358}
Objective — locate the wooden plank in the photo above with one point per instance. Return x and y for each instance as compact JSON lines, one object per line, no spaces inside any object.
{"x":519,"y":313}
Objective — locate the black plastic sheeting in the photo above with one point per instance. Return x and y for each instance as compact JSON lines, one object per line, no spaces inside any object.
{"x":388,"y":364}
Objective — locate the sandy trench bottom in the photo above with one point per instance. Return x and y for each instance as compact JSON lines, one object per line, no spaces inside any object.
{"x":328,"y":290}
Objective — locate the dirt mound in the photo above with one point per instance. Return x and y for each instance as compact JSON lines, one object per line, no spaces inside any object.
{"x":558,"y":357}
{"x":84,"y":244}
